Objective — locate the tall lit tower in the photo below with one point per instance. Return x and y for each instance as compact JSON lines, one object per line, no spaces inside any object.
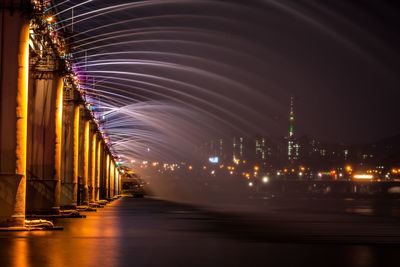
{"x":293,"y":147}
{"x":291,"y":117}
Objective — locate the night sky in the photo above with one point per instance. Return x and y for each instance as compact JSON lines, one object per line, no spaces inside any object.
{"x":235,"y":64}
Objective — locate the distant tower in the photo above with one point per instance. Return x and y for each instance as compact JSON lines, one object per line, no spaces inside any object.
{"x":291,"y":117}
{"x":293,"y":147}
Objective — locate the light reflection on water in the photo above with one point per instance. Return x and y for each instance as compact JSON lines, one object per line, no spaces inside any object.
{"x":20,"y":253}
{"x":134,"y":232}
{"x":92,"y":242}
{"x":360,"y":210}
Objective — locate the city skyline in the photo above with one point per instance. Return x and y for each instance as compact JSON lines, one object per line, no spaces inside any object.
{"x":302,"y":150}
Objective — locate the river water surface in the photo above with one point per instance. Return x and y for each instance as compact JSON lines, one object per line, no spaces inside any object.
{"x":152,"y":232}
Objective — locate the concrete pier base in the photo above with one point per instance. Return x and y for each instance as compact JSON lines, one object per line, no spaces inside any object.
{"x":10,"y":197}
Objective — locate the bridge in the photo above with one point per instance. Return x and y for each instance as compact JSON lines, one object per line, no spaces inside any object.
{"x":53,"y":151}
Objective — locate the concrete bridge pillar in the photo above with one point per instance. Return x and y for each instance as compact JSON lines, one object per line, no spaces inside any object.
{"x":70,"y":145}
{"x":77,"y":144}
{"x":86,"y":161}
{"x":104,"y":175}
{"x":44,"y":142}
{"x":81,"y":152}
{"x":14,"y":66}
{"x":115,"y":181}
{"x":107,"y":175}
{"x":111,"y":177}
{"x":116,"y":191}
{"x":118,"y":183}
{"x":98,"y":168}
{"x":93,"y":165}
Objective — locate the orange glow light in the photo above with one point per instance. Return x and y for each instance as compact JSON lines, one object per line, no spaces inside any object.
{"x":363,"y":176}
{"x":349,"y":168}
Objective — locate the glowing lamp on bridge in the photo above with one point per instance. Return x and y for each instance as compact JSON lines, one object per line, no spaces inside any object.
{"x":364,"y":177}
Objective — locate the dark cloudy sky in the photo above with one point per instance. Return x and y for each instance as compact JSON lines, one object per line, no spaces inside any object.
{"x":339,"y":58}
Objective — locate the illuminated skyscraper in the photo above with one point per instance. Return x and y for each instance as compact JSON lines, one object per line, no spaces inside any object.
{"x":260,"y":152}
{"x":293,"y":147}
{"x":238,"y":148}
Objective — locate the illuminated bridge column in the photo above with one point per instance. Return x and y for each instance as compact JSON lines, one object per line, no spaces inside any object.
{"x":120,"y":183}
{"x":86,"y":161}
{"x":116,"y":181}
{"x":112,"y":178}
{"x":107,"y":175}
{"x":98,"y":168}
{"x":70,"y":145}
{"x":93,"y":164}
{"x":110,"y":171}
{"x":118,"y":187}
{"x":44,"y":142}
{"x":103,"y":171}
{"x":14,"y":65}
{"x":81,"y":121}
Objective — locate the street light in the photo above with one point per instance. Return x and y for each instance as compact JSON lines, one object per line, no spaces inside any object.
{"x":349,"y":168}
